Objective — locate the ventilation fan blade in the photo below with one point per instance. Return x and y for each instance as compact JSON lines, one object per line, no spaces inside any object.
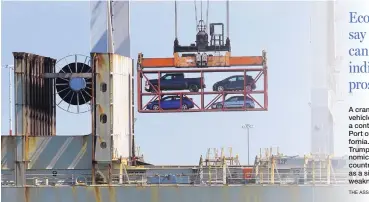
{"x":75,"y":91}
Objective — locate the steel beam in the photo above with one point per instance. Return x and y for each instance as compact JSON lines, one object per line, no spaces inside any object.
{"x":67,"y":75}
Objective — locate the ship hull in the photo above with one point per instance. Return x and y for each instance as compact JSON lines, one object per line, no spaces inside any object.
{"x":250,"y":193}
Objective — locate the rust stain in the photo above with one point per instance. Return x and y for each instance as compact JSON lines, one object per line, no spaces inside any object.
{"x":31,"y":146}
{"x":140,"y":187}
{"x":154,"y":194}
{"x":97,"y":194}
{"x":85,"y":140}
{"x":100,"y":139}
{"x":101,"y":60}
{"x":26,"y":194}
{"x":101,"y":110}
{"x":74,"y":192}
{"x":112,"y":194}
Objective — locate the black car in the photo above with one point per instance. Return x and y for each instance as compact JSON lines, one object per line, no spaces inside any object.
{"x":175,"y":81}
{"x":235,"y":82}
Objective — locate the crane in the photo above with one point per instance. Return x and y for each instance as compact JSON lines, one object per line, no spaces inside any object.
{"x":202,"y":44}
{"x":198,"y":54}
{"x":210,"y":52}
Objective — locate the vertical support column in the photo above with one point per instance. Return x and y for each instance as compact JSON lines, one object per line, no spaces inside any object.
{"x":202,"y":90}
{"x":209,"y":173}
{"x":132,"y":109}
{"x":21,"y":121}
{"x":201,"y":170}
{"x":224,"y":169}
{"x":50,"y":96}
{"x":328,"y":164}
{"x":306,"y":161}
{"x":272,"y":170}
{"x":256,"y":170}
{"x":139,"y":81}
{"x":265,"y":72}
{"x":313,"y":171}
{"x":112,"y":112}
{"x":101,"y":113}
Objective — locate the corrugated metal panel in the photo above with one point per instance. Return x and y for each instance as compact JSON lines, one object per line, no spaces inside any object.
{"x":120,"y":23}
{"x":122,"y":105}
{"x":34,"y":98}
{"x":183,"y":194}
{"x":57,"y":152}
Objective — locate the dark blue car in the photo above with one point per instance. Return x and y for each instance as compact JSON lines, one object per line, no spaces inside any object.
{"x":235,"y":82}
{"x":171,"y":102}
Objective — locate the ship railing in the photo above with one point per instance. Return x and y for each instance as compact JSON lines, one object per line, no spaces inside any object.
{"x":58,"y":180}
{"x":179,"y":179}
{"x":235,"y":178}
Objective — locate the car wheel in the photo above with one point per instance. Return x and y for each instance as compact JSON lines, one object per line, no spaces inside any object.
{"x":155,"y":107}
{"x":194,"y":88}
{"x":220,"y":88}
{"x":248,"y":106}
{"x":184,"y":107}
{"x":219,"y":106}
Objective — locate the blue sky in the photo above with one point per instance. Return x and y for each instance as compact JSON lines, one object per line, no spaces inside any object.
{"x":57,"y":29}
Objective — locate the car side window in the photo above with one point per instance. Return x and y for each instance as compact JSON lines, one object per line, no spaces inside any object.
{"x":233,"y":99}
{"x":167,"y":99}
{"x":168,"y":77}
{"x":240,"y":78}
{"x":232,"y":79}
{"x":240,"y":98}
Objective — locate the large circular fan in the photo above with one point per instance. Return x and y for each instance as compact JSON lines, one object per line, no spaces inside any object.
{"x":74,"y":92}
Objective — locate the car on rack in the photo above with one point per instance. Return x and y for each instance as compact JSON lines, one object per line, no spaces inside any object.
{"x":235,"y":82}
{"x":171,"y":102}
{"x":175,"y":81}
{"x":235,"y":102}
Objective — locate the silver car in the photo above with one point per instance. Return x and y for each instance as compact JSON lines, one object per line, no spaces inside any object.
{"x":235,"y":102}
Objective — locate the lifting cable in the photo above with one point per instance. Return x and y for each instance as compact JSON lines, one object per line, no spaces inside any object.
{"x":227,"y":18}
{"x":196,"y":19}
{"x":207,"y":17}
{"x":195,"y":14}
{"x":201,"y":15}
{"x":175,"y":19}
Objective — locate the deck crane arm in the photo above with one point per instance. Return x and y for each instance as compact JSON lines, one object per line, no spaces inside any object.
{"x":197,"y":54}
